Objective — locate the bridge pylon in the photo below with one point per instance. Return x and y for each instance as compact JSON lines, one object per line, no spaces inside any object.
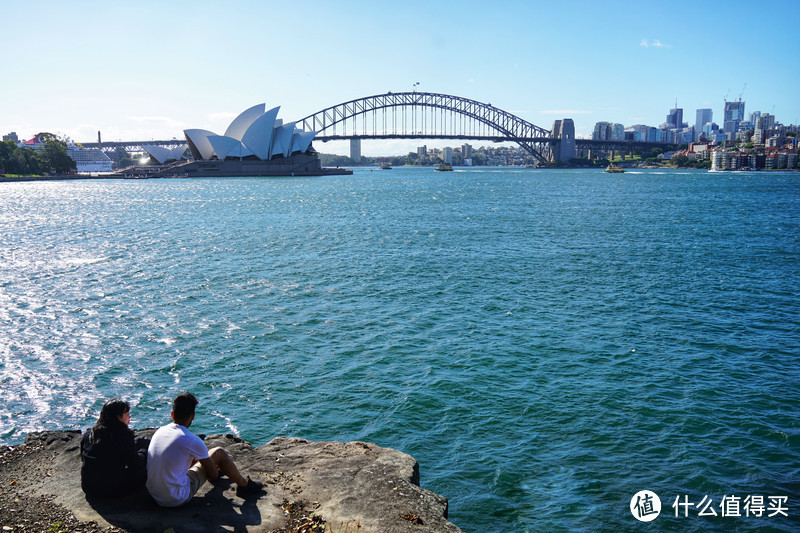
{"x":562,"y":147}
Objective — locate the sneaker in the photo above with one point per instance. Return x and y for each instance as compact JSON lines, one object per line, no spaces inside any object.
{"x":252,"y":487}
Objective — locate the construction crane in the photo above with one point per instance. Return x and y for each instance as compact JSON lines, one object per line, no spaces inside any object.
{"x":742,"y":93}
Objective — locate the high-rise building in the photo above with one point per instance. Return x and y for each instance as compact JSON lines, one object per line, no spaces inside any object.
{"x":608,"y":131}
{"x":617,"y":132}
{"x":675,"y":118}
{"x":601,"y":131}
{"x":703,"y":117}
{"x":447,"y":155}
{"x":765,"y":122}
{"x":11,"y":137}
{"x":734,"y":114}
{"x":422,"y":151}
{"x":466,"y":151}
{"x":355,"y":150}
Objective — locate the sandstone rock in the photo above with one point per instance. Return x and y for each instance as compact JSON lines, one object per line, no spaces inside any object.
{"x":352,"y":487}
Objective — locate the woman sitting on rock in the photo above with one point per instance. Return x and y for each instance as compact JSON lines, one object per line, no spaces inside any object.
{"x":111,"y":464}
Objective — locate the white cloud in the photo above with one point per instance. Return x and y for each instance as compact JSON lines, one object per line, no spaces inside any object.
{"x":655,"y":44}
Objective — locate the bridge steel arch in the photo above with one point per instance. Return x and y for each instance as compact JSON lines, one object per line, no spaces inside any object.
{"x":509,"y":127}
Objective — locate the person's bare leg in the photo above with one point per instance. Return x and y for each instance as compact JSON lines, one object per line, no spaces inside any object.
{"x":226,"y":466}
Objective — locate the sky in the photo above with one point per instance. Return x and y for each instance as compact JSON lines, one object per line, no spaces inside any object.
{"x":150,"y":69}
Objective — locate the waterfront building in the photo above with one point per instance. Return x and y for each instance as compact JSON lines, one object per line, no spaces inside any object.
{"x":256,"y":143}
{"x":355,"y":150}
{"x":447,"y":156}
{"x":775,"y":141}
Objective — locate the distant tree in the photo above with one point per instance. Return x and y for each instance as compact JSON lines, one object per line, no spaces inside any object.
{"x":55,"y":154}
{"x":679,"y":160}
{"x":7,"y":149}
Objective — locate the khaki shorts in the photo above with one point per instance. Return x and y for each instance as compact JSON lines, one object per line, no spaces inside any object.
{"x":197,"y":476}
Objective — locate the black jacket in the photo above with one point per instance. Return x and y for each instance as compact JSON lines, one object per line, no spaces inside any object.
{"x":111,"y":465}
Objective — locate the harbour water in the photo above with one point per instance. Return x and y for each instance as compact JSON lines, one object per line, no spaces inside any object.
{"x":545,"y":343}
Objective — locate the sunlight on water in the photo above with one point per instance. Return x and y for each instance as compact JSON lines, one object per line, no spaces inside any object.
{"x":545,"y":343}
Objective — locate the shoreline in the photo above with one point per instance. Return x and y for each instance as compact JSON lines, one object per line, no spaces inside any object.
{"x":355,"y":486}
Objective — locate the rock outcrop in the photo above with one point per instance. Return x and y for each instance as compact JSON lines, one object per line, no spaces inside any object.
{"x":322,"y":486}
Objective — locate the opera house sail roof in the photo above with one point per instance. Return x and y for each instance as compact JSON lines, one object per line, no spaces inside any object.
{"x":256,"y":133}
{"x":162,"y":155}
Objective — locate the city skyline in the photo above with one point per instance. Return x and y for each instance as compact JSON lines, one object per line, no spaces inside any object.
{"x":77,"y":68}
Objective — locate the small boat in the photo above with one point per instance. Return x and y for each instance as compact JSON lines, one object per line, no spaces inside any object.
{"x":444,"y":167}
{"x":386,"y":166}
{"x":614,"y":169}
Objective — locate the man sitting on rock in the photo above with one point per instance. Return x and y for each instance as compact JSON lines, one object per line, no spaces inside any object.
{"x":178,"y":461}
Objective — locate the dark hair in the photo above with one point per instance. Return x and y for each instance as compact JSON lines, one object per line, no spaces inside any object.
{"x":183,"y":406}
{"x":109,"y":423}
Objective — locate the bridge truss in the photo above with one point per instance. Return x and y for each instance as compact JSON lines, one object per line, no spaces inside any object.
{"x":420,"y":115}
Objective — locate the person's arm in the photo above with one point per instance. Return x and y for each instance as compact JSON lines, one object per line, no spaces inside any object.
{"x":211,"y":469}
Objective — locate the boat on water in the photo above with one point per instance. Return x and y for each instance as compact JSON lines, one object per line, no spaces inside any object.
{"x":386,"y":166}
{"x":614,"y":169}
{"x":444,"y":167}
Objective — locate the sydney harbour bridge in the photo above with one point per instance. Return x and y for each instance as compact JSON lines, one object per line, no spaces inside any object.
{"x":423,"y":115}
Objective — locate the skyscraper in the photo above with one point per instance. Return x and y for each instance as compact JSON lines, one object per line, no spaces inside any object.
{"x":703,"y":117}
{"x":675,"y":118}
{"x":734,"y":114}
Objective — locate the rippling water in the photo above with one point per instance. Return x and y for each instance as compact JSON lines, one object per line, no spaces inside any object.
{"x":544,"y":343}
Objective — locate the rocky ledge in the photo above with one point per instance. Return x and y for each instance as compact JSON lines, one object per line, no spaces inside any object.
{"x":308,"y":487}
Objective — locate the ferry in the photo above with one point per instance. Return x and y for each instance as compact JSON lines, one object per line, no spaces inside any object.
{"x":444,"y":167}
{"x":614,"y":169}
{"x":386,"y":166}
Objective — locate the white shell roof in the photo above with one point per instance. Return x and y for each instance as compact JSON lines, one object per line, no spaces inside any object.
{"x":240,"y":124}
{"x":198,"y":141}
{"x":253,"y":132}
{"x":258,"y":136}
{"x":301,"y":140}
{"x":282,"y":140}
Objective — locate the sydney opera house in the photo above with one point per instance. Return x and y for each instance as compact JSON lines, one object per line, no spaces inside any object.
{"x":257,"y":143}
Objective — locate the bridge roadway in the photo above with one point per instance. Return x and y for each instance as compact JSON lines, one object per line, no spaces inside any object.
{"x":136,"y":146}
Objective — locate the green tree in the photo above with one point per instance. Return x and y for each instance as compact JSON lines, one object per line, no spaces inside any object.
{"x":7,"y":149}
{"x":55,"y":154}
{"x":679,"y":160}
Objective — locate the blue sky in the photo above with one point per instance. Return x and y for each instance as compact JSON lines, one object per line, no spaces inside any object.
{"x":148,"y":70}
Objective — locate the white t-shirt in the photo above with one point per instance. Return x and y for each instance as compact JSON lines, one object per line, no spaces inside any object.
{"x":169,"y":456}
